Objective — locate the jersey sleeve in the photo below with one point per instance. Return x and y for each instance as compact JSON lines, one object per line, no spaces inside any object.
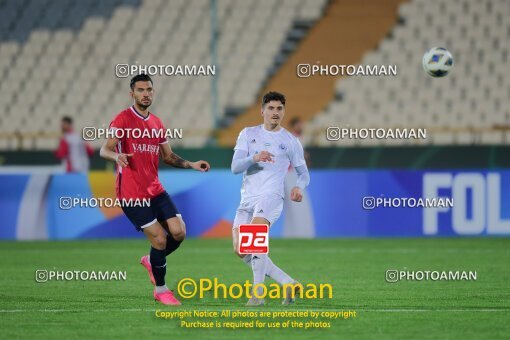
{"x":242,"y":141}
{"x":117,"y":123}
{"x":297,"y":156}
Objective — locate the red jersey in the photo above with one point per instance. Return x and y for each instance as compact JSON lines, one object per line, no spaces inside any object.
{"x":140,"y":178}
{"x":75,"y":152}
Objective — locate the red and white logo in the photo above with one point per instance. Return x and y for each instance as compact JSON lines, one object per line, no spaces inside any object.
{"x":253,"y":239}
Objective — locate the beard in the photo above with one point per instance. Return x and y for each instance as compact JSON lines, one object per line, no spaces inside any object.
{"x":142,"y":105}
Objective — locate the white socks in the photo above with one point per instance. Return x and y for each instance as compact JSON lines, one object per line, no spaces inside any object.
{"x":277,"y":274}
{"x":271,"y":270}
{"x":161,"y":289}
{"x":258,"y":266}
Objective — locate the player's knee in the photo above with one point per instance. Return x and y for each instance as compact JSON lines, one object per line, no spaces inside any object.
{"x":260,"y":220}
{"x":159,"y":242}
{"x":179,"y":235}
{"x":178,"y":229}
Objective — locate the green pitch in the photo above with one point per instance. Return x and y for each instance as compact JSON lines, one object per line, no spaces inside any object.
{"x":355,"y":268}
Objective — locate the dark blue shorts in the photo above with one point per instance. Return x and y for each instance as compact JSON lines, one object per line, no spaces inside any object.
{"x":161,"y":209}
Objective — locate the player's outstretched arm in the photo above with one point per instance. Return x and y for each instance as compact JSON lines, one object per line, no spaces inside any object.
{"x":241,"y":161}
{"x":172,"y":159}
{"x":108,"y":152}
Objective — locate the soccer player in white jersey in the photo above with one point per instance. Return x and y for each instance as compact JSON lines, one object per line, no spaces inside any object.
{"x":263,"y":154}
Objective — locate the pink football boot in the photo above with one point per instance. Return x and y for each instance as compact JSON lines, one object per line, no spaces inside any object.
{"x":166,"y":298}
{"x":144,"y":261}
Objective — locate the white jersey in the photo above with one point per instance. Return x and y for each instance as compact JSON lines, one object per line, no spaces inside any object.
{"x":267,"y":178}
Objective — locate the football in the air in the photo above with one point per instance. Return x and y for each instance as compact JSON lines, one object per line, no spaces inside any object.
{"x":437,"y":62}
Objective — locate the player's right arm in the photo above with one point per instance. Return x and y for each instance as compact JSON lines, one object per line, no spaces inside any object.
{"x":108,"y":152}
{"x":242,"y":160}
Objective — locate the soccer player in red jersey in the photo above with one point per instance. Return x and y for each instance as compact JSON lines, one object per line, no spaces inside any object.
{"x":72,"y":149}
{"x":136,"y":146}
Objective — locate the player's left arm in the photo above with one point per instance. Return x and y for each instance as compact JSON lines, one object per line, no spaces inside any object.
{"x":172,"y":159}
{"x":298,"y":162}
{"x":302,"y":182}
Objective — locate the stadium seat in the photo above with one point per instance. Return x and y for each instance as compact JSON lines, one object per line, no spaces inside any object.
{"x":470,"y":98}
{"x":73,"y":47}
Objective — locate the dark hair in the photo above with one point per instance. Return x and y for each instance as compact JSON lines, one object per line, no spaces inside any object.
{"x":276,"y":96}
{"x":67,"y":119}
{"x":139,"y":77}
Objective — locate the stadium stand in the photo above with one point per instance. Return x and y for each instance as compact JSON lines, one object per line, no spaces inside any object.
{"x":340,"y":37}
{"x":466,"y":107}
{"x":63,"y":63}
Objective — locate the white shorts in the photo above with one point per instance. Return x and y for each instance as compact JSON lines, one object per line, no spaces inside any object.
{"x":268,"y":207}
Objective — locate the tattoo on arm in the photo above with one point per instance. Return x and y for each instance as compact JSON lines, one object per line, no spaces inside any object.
{"x":177,"y":162}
